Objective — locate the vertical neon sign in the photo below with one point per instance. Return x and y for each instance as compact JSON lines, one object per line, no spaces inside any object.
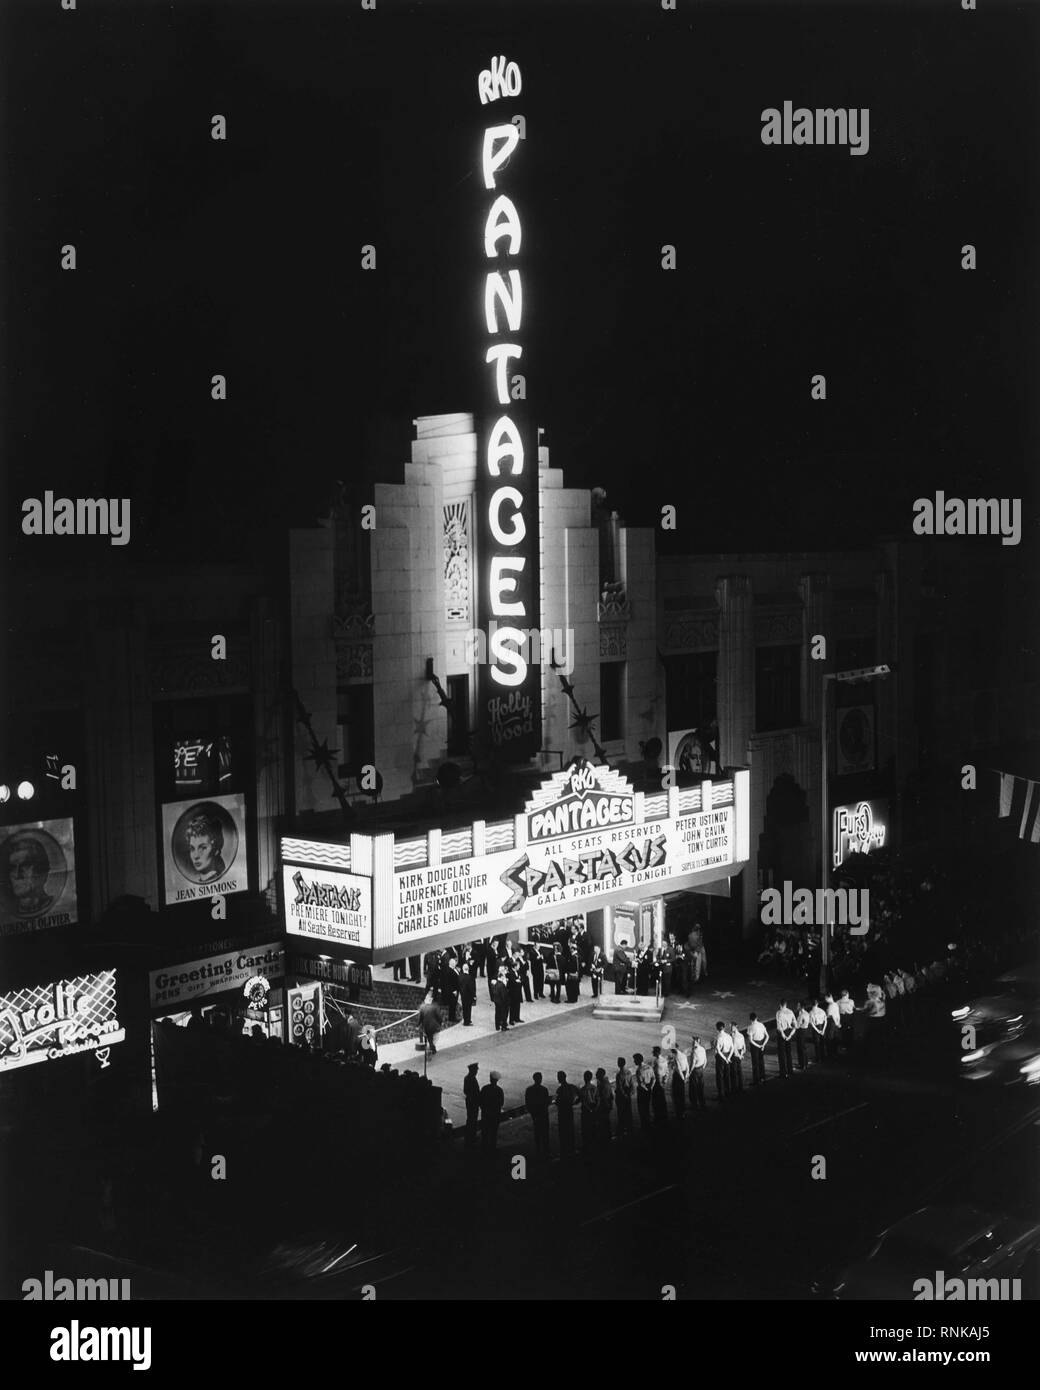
{"x":509,"y":686}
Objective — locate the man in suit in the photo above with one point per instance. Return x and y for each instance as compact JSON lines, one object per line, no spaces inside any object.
{"x":606,"y":1105}
{"x":622,"y":969}
{"x":566,"y":1099}
{"x":500,"y":999}
{"x":536,"y":1098}
{"x":537,"y":972}
{"x":468,"y":994}
{"x":492,"y":1100}
{"x":450,"y":984}
{"x":491,"y":965}
{"x":523,"y":965}
{"x":471,"y":1090}
{"x":515,"y":989}
{"x":596,"y":966}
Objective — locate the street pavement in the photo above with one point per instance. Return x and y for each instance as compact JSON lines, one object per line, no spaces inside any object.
{"x":566,"y":1037}
{"x":733,"y":1203}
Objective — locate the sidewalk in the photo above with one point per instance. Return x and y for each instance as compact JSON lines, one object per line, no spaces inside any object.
{"x":566,"y":1037}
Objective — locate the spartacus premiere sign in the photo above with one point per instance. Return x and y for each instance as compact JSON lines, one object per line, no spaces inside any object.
{"x":328,"y":905}
{"x":584,"y":843}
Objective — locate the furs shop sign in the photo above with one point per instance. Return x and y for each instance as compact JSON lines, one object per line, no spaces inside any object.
{"x":582,"y":797}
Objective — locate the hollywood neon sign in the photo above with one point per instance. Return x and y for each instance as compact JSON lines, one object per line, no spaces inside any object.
{"x":506,"y":524}
{"x":856,"y":831}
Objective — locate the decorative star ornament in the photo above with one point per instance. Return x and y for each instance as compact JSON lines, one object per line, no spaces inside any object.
{"x":321,"y":755}
{"x":722,"y":994}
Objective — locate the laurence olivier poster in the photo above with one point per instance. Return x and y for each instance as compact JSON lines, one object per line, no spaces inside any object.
{"x":37,"y":877}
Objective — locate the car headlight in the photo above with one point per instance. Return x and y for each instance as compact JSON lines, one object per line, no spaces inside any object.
{"x":961,"y":1013}
{"x":972,"y":1056}
{"x":1031,"y":1068}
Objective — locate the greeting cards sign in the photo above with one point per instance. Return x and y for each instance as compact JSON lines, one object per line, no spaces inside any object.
{"x":204,"y":848}
{"x":45,"y":1022}
{"x":37,"y":876}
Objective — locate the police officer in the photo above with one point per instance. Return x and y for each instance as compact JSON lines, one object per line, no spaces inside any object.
{"x":758,"y":1037}
{"x":801,"y":1036}
{"x":847,"y":1013}
{"x":679,"y":1070}
{"x":624,"y":1082}
{"x":739,"y":1051}
{"x":566,"y":1099}
{"x":833,"y":1033}
{"x":786,"y":1027}
{"x":492,"y":1100}
{"x":818,"y":1024}
{"x":589,"y":1112}
{"x":723,"y":1058}
{"x":659,"y":1094}
{"x":698,"y":1066}
{"x":644,"y":1087}
{"x":471,"y":1090}
{"x":536,"y":1098}
{"x":606,"y":1105}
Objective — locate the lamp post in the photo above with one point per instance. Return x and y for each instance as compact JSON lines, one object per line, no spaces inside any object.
{"x":860,"y":675}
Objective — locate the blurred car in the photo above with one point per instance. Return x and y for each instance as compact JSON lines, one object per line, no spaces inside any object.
{"x":1006,"y":1007}
{"x":1010,"y":1061}
{"x":960,"y":1242}
{"x":318,"y":1267}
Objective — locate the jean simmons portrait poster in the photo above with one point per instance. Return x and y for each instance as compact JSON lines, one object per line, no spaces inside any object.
{"x":204,"y":848}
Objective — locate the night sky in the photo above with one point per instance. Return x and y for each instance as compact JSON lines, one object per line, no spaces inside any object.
{"x":643,"y":128}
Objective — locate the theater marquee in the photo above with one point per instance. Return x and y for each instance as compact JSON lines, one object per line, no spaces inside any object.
{"x":584,"y":840}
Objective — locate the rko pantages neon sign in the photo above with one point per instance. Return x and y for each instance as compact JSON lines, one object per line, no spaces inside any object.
{"x":583,"y":797}
{"x":507,"y":511}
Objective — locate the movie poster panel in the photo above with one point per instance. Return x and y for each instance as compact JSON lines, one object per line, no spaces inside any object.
{"x":854,"y":739}
{"x":328,"y":905}
{"x":37,"y":877}
{"x":204,"y":848}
